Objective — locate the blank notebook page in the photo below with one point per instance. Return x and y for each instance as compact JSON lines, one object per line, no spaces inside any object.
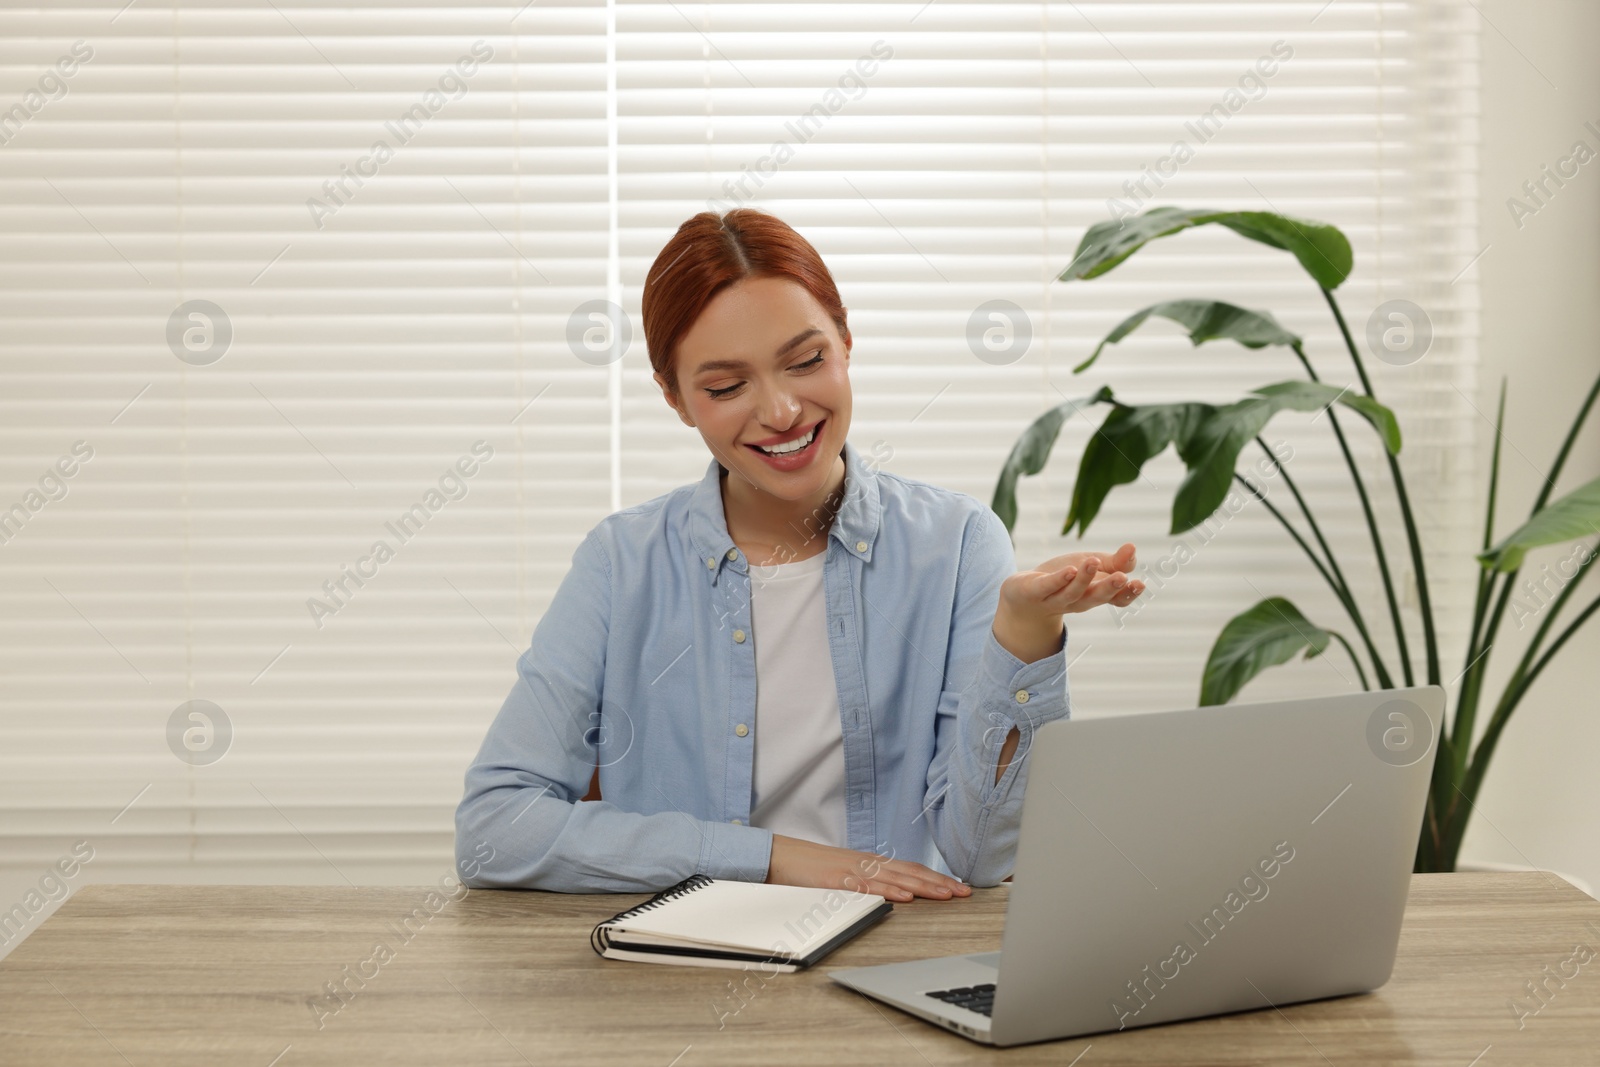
{"x":753,"y":916}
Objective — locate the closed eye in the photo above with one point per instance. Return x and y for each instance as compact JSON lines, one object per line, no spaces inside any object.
{"x":728,"y":390}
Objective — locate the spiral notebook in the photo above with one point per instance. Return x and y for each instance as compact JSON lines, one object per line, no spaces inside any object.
{"x":704,"y":922}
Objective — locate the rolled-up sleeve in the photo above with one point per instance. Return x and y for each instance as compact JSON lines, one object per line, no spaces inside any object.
{"x":520,"y":823}
{"x":976,"y":820}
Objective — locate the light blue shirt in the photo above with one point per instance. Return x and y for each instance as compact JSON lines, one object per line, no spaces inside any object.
{"x":644,"y":664}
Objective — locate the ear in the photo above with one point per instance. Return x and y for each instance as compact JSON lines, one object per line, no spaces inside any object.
{"x":671,"y":399}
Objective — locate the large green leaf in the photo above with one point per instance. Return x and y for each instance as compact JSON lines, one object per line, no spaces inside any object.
{"x":1321,"y":249}
{"x":1032,"y":450}
{"x":1573,"y":516}
{"x":1206,"y":320}
{"x":1312,"y":396}
{"x":1211,"y":452}
{"x":1128,"y":439}
{"x":1208,"y":439}
{"x":1266,"y":635}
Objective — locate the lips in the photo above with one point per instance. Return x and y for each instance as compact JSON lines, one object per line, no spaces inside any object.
{"x":799,"y":459}
{"x":759,"y":447}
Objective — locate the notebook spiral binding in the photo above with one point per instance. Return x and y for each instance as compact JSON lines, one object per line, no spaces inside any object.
{"x":599,"y":937}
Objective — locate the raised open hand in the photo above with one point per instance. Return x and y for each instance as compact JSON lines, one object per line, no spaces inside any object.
{"x":1073,"y":581}
{"x":1028,"y":617}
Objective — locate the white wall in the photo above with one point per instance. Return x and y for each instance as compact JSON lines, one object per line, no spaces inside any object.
{"x":1540,"y":286}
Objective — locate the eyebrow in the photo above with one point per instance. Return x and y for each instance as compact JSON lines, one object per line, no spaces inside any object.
{"x":739,"y":364}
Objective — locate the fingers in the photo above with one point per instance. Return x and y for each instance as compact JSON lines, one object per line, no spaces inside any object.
{"x":1079,"y":584}
{"x":796,"y":861}
{"x":903,"y":880}
{"x":1084,"y":581}
{"x":1128,"y":594}
{"x":892,"y":891}
{"x":1048,"y":584}
{"x":1123,"y":559}
{"x":1067,"y":559}
{"x":927,"y":883}
{"x":1108,"y":589}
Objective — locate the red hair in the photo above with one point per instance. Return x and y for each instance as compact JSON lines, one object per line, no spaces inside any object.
{"x":711,"y":252}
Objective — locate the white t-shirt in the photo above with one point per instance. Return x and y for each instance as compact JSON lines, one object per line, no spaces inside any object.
{"x":799,"y":751}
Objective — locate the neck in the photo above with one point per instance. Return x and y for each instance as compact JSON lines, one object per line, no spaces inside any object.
{"x":756,"y":516}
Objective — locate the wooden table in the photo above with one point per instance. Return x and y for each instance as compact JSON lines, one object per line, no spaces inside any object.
{"x":176,"y":975}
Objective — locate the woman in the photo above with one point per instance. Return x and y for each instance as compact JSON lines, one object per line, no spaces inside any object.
{"x":800,"y":670}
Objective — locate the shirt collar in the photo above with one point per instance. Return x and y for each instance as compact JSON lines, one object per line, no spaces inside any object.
{"x":855,"y":525}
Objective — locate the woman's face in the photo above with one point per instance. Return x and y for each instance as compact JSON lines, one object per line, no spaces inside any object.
{"x":765,"y":365}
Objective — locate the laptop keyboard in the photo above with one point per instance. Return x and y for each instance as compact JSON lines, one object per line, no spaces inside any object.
{"x":978,"y":998}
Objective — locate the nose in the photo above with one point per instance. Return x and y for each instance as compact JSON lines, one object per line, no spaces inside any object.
{"x":780,"y":408}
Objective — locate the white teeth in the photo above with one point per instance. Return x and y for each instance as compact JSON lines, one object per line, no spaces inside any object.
{"x":790,"y":446}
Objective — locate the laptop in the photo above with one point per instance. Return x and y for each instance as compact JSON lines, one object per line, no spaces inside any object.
{"x":1182,"y":864}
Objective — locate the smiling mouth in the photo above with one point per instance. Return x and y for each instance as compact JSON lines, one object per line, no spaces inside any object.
{"x":789,"y":448}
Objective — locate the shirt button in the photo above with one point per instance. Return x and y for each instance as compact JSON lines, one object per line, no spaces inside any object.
{"x":711,"y":563}
{"x":741,"y":729}
{"x":738,"y":635}
{"x":733,"y":553}
{"x":861,"y":546}
{"x":1022,"y":696}
{"x":737,"y":822}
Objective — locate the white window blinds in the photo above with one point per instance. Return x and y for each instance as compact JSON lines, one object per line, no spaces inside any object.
{"x":304,"y":296}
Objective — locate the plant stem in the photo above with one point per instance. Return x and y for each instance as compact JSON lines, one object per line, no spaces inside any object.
{"x":1316,"y":561}
{"x":1372,"y":528}
{"x":1510,"y":578}
{"x":1316,"y":531}
{"x":1566,"y":447}
{"x":1429,"y":637}
{"x":1472,"y":683}
{"x":1471,"y":679}
{"x":1352,"y":653}
{"x":1377,"y":664}
{"x":1346,"y":597}
{"x":1516,"y":689}
{"x":1555,"y":647}
{"x":1476,"y":673}
{"x":1552,"y":611}
{"x":1526,"y":668}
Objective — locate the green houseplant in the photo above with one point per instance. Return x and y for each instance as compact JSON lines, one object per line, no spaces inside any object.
{"x":1208,"y":440}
